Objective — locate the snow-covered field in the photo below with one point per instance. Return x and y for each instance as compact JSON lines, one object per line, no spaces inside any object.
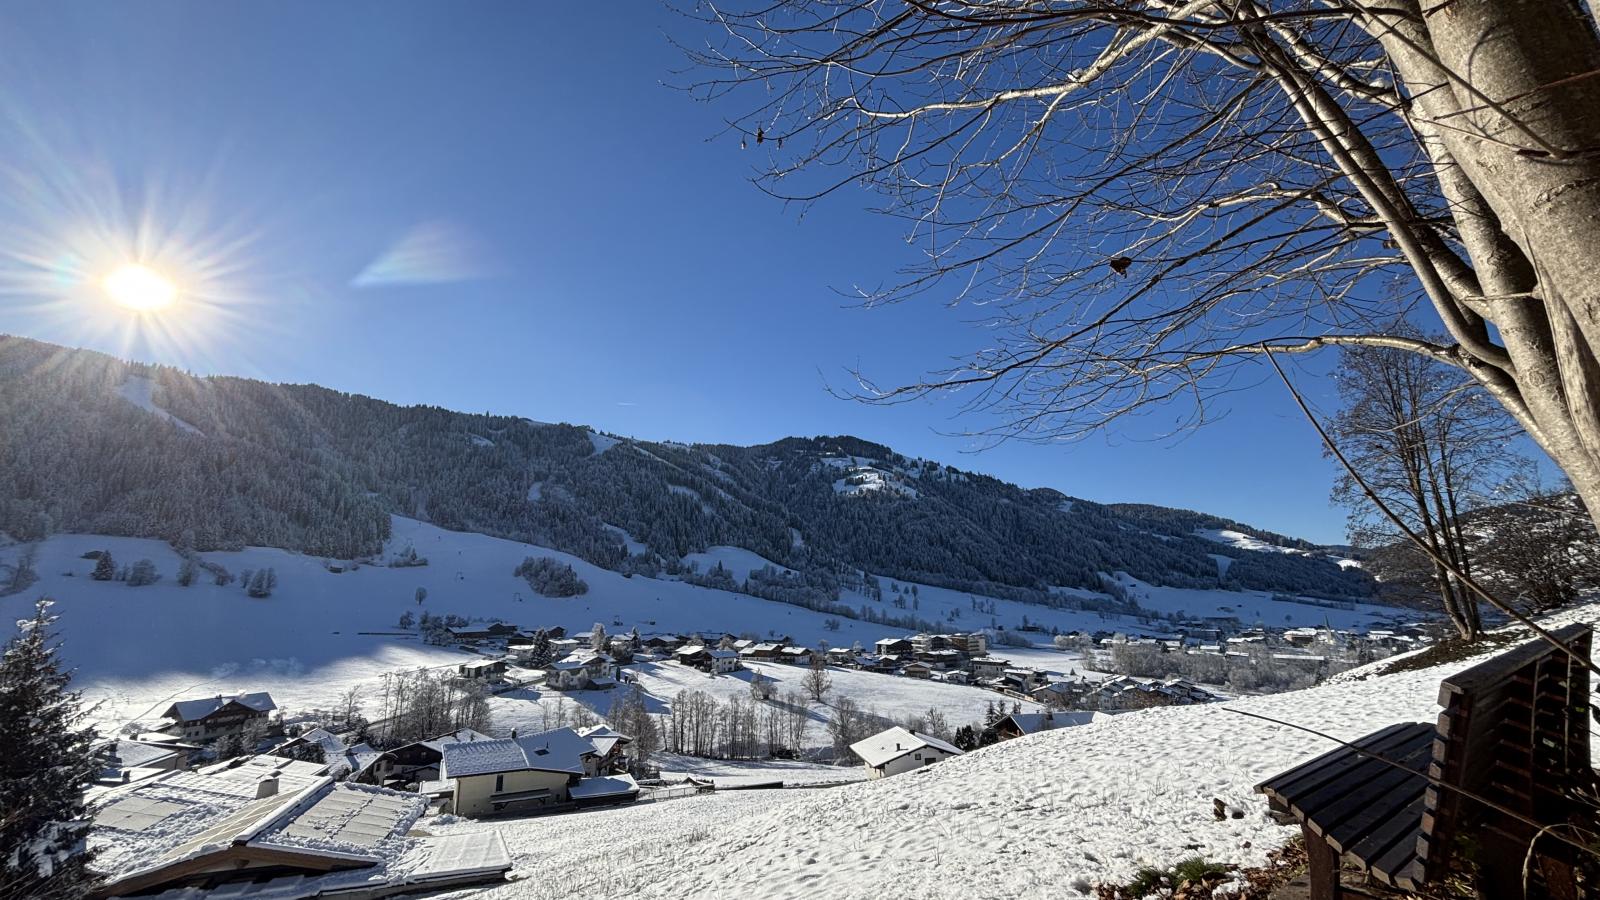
{"x":136,"y":649}
{"x":884,"y":695}
{"x":1045,"y":816}
{"x":734,"y":773}
{"x":1258,"y":607}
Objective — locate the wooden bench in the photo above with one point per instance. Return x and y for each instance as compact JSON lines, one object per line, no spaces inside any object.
{"x":1395,"y":804}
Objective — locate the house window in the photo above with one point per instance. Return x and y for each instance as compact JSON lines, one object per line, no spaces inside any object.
{"x":499,"y":783}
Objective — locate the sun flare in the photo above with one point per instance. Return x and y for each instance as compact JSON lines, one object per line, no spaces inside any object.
{"x":139,"y":288}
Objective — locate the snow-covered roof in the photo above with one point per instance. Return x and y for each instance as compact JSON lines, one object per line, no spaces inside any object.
{"x":887,"y":746}
{"x":292,"y":774}
{"x":464,"y":734}
{"x":723,"y":654}
{"x":142,"y":831}
{"x":135,"y":754}
{"x":604,"y":739}
{"x":603,"y":786}
{"x":558,"y":750}
{"x":1032,"y":723}
{"x":195,"y":710}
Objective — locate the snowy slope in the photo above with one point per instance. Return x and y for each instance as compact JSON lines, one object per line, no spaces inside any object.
{"x":136,"y":649}
{"x":1259,"y":607}
{"x":140,"y":391}
{"x":1045,"y":816}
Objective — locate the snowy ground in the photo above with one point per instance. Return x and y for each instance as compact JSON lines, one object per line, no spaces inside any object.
{"x":726,"y":773}
{"x":136,"y":649}
{"x":1043,"y":816}
{"x":885,"y":695}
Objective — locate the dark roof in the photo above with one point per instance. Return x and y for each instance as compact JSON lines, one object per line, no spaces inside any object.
{"x":195,"y":710}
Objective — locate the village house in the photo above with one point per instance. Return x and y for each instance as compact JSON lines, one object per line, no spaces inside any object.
{"x":466,"y":634}
{"x":560,"y":647}
{"x":894,"y":646}
{"x":988,"y":667}
{"x":207,"y":720}
{"x":536,"y":772}
{"x":516,"y":773}
{"x":916,"y":670}
{"x":766,"y":650}
{"x":418,"y":761}
{"x":695,"y":655}
{"x":128,"y":760}
{"x":1023,"y":681}
{"x":1016,"y":725}
{"x":942,"y":659}
{"x":1061,"y":694}
{"x":795,"y":656}
{"x":609,"y":757}
{"x":841,"y":656}
{"x":482,"y":669}
{"x":900,"y":750}
{"x":276,"y":831}
{"x":724,"y":661}
{"x":659,"y":643}
{"x":582,"y":671}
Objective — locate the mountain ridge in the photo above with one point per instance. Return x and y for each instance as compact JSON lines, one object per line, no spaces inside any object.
{"x":217,"y":462}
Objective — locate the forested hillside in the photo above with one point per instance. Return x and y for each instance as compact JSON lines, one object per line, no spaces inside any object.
{"x":94,"y":444}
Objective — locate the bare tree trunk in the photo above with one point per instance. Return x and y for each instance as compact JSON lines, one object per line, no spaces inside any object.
{"x":1505,"y":92}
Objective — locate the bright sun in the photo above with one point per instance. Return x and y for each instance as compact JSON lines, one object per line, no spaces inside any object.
{"x":139,"y":288}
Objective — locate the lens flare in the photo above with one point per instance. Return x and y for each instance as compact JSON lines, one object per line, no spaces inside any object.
{"x":140,"y":288}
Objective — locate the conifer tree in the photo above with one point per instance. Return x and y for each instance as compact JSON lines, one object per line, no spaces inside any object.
{"x":105,"y":568}
{"x":47,"y":758}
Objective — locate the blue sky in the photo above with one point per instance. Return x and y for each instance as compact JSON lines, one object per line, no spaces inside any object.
{"x":544,"y":227}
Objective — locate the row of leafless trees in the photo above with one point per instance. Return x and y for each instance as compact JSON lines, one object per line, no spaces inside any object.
{"x":740,"y":728}
{"x":425,"y":703}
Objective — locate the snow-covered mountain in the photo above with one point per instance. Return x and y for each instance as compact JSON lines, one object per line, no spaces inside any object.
{"x":96,"y":445}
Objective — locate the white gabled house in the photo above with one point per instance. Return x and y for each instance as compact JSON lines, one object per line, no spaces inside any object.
{"x":901,"y":750}
{"x":581,"y":671}
{"x":722,"y":662}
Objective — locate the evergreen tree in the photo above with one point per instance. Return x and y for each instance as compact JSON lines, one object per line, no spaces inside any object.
{"x":47,"y":758}
{"x":105,"y":568}
{"x":186,"y":571}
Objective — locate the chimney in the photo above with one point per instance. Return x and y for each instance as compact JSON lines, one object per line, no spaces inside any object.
{"x":127,"y":776}
{"x":267,"y":787}
{"x":513,"y":734}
